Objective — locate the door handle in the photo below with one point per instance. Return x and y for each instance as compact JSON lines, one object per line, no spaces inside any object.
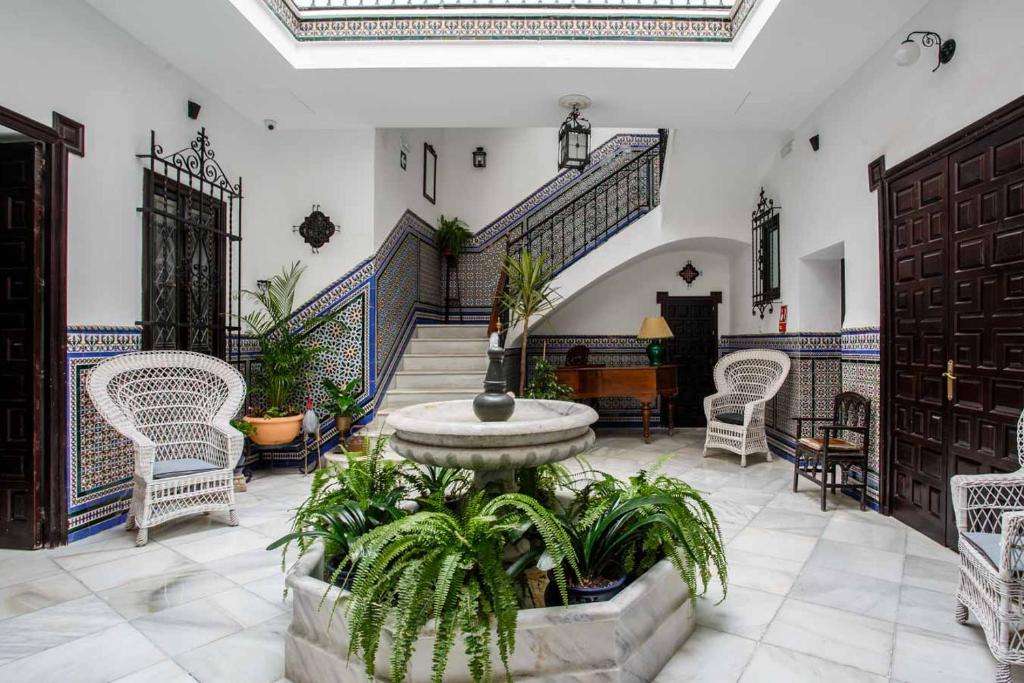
{"x":950,"y":379}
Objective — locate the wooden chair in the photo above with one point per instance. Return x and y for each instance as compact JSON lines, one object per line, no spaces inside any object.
{"x":843,"y":442}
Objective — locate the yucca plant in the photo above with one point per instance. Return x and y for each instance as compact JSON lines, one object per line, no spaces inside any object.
{"x":285,"y":352}
{"x":529,"y":292}
{"x":447,"y":567}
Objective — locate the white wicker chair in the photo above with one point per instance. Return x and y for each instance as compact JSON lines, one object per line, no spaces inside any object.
{"x":989,"y":512}
{"x":175,"y":406}
{"x":745,"y":381}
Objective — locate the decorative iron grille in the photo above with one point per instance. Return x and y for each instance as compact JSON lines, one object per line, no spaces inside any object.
{"x":765,"y":255}
{"x":192,"y":261}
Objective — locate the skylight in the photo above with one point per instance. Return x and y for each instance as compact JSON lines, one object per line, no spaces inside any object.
{"x":459,"y":4}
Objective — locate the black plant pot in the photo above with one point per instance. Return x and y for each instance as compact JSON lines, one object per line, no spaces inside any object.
{"x":343,"y":580}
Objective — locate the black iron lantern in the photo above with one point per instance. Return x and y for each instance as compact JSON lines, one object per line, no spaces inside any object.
{"x":479,"y":158}
{"x":574,"y":135}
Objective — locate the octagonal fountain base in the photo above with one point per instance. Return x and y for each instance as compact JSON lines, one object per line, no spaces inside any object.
{"x":627,"y":639}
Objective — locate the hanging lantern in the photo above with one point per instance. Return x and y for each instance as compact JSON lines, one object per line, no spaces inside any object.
{"x":574,"y":134}
{"x":480,"y":158}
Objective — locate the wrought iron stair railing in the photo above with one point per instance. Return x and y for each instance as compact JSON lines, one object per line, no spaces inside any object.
{"x":579,"y":224}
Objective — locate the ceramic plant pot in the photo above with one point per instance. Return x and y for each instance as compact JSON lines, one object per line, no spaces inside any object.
{"x":581,"y":595}
{"x":275,"y":431}
{"x":344,"y":423}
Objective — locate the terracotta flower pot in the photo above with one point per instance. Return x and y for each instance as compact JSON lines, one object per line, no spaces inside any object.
{"x":274,"y":431}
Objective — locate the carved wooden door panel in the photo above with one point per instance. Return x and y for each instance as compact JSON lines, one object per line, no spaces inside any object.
{"x":21,"y":217}
{"x":917,"y":305}
{"x":694,"y":350}
{"x":986,"y":304}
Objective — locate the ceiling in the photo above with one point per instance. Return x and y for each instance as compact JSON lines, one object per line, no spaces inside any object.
{"x":805,"y":50}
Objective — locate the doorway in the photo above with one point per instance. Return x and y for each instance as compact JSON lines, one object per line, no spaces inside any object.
{"x":693,"y":349}
{"x":33,"y":327}
{"x":952,"y":240}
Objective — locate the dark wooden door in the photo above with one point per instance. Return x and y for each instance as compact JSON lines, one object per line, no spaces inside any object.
{"x":918,"y":212}
{"x":21,"y":361}
{"x":694,"y":350}
{"x":956,"y":306}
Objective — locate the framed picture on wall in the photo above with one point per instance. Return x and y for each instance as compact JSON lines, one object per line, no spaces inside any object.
{"x":429,"y":173}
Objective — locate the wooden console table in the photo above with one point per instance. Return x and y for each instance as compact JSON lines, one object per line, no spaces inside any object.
{"x":642,"y":382}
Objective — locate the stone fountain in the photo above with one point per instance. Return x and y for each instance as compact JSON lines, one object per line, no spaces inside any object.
{"x":625,"y":640}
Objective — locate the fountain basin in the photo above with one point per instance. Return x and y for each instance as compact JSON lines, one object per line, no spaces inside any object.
{"x":625,"y":640}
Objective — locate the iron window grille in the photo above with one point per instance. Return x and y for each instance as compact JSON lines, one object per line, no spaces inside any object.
{"x":192,"y":232}
{"x":765,"y":255}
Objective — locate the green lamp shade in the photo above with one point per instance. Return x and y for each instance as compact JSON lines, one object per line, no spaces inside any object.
{"x":655,"y":329}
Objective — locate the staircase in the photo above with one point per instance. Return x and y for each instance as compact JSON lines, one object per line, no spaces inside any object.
{"x":441,"y":363}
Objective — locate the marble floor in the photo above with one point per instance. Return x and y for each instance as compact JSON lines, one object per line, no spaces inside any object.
{"x":838,"y":596}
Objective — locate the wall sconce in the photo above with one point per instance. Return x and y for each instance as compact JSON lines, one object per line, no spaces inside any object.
{"x":909,"y":51}
{"x":263,"y":286}
{"x":479,"y":158}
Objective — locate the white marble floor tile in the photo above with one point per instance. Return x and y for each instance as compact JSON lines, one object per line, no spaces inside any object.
{"x":744,"y":612}
{"x":934,"y":575}
{"x":30,"y":596}
{"x":877,"y":536}
{"x":271,"y":589}
{"x":97,"y":658}
{"x":164,"y":672}
{"x":245,"y":607}
{"x":851,"y":592}
{"x":920,"y":545}
{"x":771,"y":663}
{"x":832,"y":634}
{"x":19,"y":566}
{"x":160,"y":562}
{"x":929,"y":610}
{"x":708,"y":656}
{"x":153,"y":594}
{"x":251,"y":565}
{"x":761,"y":572}
{"x":220,"y":546}
{"x":779,"y":544}
{"x":53,"y":626}
{"x":857,"y":559}
{"x":179,"y":629}
{"x":255,"y":655}
{"x":928,"y":656}
{"x":190,"y":529}
{"x":791,"y":522}
{"x":114,"y":544}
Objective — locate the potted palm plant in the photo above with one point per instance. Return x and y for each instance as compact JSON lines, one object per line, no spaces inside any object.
{"x":285,"y":355}
{"x":344,"y":403}
{"x":529,"y":292}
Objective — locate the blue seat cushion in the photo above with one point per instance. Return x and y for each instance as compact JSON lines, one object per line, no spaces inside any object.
{"x":180,"y":467}
{"x":730,"y":418}
{"x":989,"y":546}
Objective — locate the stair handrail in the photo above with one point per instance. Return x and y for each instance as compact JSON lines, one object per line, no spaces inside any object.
{"x":647,"y":164}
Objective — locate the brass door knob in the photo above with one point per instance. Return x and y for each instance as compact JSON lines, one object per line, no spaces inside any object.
{"x":950,"y":379}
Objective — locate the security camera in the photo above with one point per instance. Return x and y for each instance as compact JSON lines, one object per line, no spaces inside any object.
{"x":271,"y":124}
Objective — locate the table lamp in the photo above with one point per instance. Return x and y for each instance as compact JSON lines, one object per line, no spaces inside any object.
{"x":655,"y":329}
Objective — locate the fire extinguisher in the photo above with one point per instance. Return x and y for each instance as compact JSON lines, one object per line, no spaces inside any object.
{"x":783,"y":310}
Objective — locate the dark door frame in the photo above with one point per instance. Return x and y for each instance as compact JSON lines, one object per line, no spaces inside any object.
{"x":713,"y":298}
{"x":51,"y":446}
{"x":879,"y":178}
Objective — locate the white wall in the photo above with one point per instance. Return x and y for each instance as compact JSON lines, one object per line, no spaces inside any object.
{"x":882,"y":109}
{"x":617,"y":303}
{"x":90,"y":70}
{"x":395,"y":190}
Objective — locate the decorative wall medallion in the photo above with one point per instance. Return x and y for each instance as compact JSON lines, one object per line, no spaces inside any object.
{"x":317,"y":229}
{"x":689,"y":273}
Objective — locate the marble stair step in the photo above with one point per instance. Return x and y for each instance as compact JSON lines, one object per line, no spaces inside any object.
{"x":399,"y":398}
{"x":445,"y":347}
{"x":414,"y":362}
{"x":437,"y":379}
{"x":451,"y":332}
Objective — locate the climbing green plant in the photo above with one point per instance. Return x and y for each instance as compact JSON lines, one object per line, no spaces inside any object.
{"x":448,"y":567}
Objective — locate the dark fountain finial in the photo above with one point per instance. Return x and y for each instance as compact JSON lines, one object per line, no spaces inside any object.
{"x":494,"y":405}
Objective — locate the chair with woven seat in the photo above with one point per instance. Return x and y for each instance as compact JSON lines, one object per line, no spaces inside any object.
{"x":989,"y":511}
{"x":842,"y":442}
{"x":745,"y":381}
{"x":175,"y":407}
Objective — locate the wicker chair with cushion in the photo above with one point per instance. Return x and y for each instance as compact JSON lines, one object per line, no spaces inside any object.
{"x":175,"y":407}
{"x":745,"y":382}
{"x":843,"y":441}
{"x":989,"y":512}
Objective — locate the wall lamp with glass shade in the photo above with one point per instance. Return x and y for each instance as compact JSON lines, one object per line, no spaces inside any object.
{"x":909,"y":51}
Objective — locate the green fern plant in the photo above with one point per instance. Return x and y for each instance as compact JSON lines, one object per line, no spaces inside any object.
{"x":448,"y":567}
